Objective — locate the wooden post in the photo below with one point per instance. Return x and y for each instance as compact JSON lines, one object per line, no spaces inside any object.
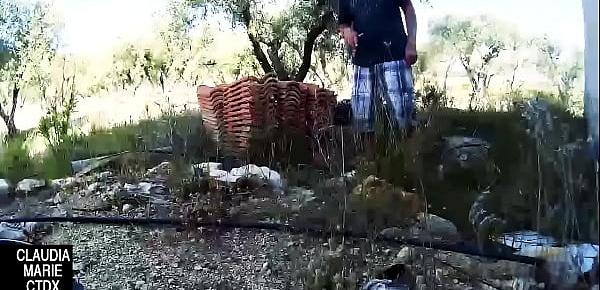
{"x":590,"y":19}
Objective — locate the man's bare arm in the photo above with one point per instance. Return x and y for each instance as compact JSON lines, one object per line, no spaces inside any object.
{"x":411,"y":21}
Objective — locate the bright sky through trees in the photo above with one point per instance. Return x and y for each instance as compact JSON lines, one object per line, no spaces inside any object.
{"x":93,"y":26}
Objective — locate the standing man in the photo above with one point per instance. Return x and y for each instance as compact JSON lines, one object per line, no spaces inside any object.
{"x":382,"y":53}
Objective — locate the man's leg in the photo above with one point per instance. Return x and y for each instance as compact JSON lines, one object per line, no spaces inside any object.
{"x":397,"y":86}
{"x":362,"y":109}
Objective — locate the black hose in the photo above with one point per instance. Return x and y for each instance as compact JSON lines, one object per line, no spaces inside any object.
{"x":97,"y":220}
{"x":462,"y":247}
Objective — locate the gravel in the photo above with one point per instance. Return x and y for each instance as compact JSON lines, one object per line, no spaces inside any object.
{"x":127,"y":257}
{"x":140,"y":258}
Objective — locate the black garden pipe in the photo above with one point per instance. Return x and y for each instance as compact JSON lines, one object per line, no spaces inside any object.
{"x":461,"y":247}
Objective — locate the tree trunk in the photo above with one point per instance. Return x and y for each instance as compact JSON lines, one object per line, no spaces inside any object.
{"x":512,"y":80}
{"x":278,"y":66}
{"x":309,"y":44}
{"x":446,"y":74}
{"x":10,"y":124}
{"x":474,"y":91}
{"x":9,"y":119}
{"x":271,"y":62}
{"x":256,"y":49}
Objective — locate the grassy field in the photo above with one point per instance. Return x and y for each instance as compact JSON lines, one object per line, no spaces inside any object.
{"x":115,"y":121}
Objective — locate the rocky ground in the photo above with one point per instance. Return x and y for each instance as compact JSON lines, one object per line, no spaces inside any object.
{"x":127,"y":257}
{"x":112,"y":257}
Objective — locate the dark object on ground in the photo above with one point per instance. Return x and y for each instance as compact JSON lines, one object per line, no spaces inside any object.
{"x":394,"y":272}
{"x":342,"y":113}
{"x":455,"y":247}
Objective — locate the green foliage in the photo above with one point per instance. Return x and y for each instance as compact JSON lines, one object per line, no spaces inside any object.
{"x":28,"y":33}
{"x":55,"y":126}
{"x":282,"y":43}
{"x":57,"y":163}
{"x":431,"y":96}
{"x":172,"y":56}
{"x":559,"y":69}
{"x":15,"y":162}
{"x":127,"y":67}
{"x":142,"y":135}
{"x":476,"y":43}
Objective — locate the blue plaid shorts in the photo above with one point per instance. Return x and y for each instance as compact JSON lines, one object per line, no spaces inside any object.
{"x":389,"y":83}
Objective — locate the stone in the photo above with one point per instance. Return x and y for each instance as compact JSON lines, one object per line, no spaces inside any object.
{"x":63,"y":183}
{"x":104,"y":175}
{"x":59,"y":197}
{"x":127,"y":208}
{"x":30,"y":185}
{"x":265,"y":267}
{"x":405,"y":256}
{"x":93,"y":187}
{"x":4,"y":188}
{"x":140,"y":285}
{"x":434,"y":227}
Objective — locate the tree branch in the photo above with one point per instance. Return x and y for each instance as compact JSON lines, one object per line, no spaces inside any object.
{"x":280,"y":70}
{"x":256,"y":49}
{"x":15,"y":97}
{"x":4,"y":115}
{"x":311,"y":37}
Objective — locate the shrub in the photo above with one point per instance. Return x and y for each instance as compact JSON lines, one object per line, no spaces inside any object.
{"x":15,"y":162}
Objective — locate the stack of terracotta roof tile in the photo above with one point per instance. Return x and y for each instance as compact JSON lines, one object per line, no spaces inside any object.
{"x":323,"y":114}
{"x":291,"y":112}
{"x":235,"y":113}
{"x":242,"y":113}
{"x":211,"y":105}
{"x":268,"y":87}
{"x":311,"y":105}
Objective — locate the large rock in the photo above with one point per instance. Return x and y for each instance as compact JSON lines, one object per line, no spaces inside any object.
{"x":434,"y":227}
{"x":379,"y":194}
{"x":28,"y":186}
{"x":465,"y":155}
{"x":63,"y":183}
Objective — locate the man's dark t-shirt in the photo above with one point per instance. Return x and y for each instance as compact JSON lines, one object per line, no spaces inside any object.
{"x":381,"y":29}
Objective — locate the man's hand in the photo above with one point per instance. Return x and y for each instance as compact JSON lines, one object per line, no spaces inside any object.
{"x":350,"y":37}
{"x":410,"y":53}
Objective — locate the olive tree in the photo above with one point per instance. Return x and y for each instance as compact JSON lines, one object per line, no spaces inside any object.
{"x":561,"y":70}
{"x":476,"y":43}
{"x":283,"y":43}
{"x":29,"y":44}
